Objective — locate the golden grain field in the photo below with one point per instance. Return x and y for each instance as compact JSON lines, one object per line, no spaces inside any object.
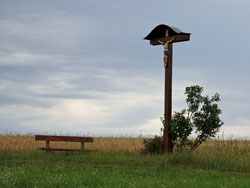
{"x":105,"y":144}
{"x":18,"y":143}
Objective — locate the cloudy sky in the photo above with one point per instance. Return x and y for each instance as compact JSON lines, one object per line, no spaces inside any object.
{"x":81,"y":66}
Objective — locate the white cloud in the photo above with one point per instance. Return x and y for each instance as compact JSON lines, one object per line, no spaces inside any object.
{"x":114,"y":109}
{"x":236,"y":131}
{"x":151,"y":128}
{"x":65,"y":115}
{"x":22,"y":58}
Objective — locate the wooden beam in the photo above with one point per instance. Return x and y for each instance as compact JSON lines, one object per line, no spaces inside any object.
{"x":58,"y":149}
{"x":177,"y":38}
{"x":167,"y":139}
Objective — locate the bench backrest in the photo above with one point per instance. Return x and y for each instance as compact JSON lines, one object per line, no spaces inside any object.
{"x":64,"y":138}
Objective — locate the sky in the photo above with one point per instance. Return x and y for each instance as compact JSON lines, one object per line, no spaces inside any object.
{"x":81,"y":67}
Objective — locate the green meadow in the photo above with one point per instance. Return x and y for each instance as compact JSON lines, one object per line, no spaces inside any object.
{"x":118,"y":162}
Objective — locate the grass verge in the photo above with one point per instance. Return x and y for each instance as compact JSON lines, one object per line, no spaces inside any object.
{"x":65,"y":169}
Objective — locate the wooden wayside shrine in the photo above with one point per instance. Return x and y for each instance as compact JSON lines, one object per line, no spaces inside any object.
{"x":166,"y":36}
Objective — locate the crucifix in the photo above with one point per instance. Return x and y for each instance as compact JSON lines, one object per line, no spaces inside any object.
{"x":166,"y":36}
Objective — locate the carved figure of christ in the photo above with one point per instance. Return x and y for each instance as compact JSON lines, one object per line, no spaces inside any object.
{"x":165,"y":45}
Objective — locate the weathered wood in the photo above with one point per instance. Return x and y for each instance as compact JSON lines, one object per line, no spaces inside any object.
{"x":177,"y":38}
{"x":60,"y":149}
{"x":64,"y":138}
{"x":166,"y":36}
{"x":49,"y":138}
{"x":167,"y":140}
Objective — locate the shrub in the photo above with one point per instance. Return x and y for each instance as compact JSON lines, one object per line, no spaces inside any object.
{"x":201,"y":116}
{"x":153,"y":146}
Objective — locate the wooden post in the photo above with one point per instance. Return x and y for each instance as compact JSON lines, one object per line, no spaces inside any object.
{"x":167,"y":140}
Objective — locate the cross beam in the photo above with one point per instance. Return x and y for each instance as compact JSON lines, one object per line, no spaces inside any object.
{"x":176,"y":38}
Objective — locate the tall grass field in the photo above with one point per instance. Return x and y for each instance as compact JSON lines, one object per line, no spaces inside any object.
{"x":119,"y":162}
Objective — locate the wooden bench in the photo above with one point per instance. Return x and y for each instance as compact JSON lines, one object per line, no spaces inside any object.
{"x":49,"y":138}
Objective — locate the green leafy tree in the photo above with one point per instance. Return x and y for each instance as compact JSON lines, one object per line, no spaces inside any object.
{"x":201,"y":116}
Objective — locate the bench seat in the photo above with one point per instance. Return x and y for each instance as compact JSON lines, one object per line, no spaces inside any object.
{"x":49,"y":138}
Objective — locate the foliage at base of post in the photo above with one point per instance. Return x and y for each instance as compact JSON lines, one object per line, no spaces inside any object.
{"x":153,"y":146}
{"x":201,"y":117}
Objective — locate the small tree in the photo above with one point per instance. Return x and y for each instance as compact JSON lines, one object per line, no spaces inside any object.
{"x":201,"y":116}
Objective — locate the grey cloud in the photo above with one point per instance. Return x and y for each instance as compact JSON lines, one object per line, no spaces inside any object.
{"x":52,"y":51}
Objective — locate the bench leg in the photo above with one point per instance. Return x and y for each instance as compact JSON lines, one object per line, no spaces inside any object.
{"x":47,"y":145}
{"x":82,"y":147}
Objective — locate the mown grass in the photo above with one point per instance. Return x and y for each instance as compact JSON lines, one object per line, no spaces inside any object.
{"x":217,"y":163}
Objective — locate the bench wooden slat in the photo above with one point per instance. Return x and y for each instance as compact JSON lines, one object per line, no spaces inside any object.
{"x":64,"y":138}
{"x":58,"y":149}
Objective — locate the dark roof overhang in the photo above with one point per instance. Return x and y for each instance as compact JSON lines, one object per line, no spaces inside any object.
{"x":160,"y":31}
